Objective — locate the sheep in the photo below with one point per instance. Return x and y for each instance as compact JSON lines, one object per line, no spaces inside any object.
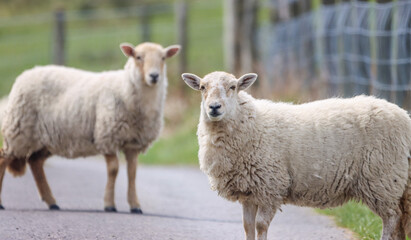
{"x":56,"y":110}
{"x":320,"y":154}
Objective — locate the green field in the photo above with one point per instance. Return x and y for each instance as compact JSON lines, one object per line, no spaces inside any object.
{"x":93,"y":39}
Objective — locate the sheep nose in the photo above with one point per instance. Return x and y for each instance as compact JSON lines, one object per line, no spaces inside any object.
{"x":215,"y":106}
{"x":154,"y":77}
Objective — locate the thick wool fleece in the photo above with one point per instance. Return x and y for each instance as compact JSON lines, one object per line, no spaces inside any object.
{"x":77,"y":113}
{"x":318,"y":154}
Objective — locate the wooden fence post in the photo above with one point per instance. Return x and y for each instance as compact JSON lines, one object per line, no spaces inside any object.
{"x":181,"y":10}
{"x":145,"y":23}
{"x":394,"y":54}
{"x":232,"y":23}
{"x":248,"y":37}
{"x":59,"y":37}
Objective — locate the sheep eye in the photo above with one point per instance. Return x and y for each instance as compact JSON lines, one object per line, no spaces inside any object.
{"x":163,"y":58}
{"x":138,"y":57}
{"x":202,"y":88}
{"x":232,"y":87}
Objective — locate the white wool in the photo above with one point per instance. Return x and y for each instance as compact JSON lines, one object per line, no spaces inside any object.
{"x":76,"y":113}
{"x":318,"y":154}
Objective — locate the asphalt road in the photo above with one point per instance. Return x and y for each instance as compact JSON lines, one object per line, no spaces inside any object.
{"x":177,"y":204}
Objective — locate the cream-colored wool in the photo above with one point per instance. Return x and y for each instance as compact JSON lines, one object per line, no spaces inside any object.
{"x":319,"y":154}
{"x":75,"y":113}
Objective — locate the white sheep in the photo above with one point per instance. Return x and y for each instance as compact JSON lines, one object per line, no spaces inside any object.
{"x":54,"y":110}
{"x":319,"y":154}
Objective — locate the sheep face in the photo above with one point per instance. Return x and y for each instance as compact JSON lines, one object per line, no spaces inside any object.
{"x":219,"y":91}
{"x":149,"y":59}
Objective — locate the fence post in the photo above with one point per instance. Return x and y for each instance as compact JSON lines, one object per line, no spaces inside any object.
{"x":306,"y":64}
{"x":181,"y":20}
{"x":394,"y":54}
{"x":181,"y":10}
{"x":145,"y":23}
{"x":231,"y":35}
{"x":59,"y":37}
{"x":248,"y":39}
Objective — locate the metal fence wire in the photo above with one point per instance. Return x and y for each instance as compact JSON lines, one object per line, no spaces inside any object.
{"x":349,"y":48}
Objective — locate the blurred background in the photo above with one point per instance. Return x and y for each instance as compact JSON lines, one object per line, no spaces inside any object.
{"x":302,"y":50}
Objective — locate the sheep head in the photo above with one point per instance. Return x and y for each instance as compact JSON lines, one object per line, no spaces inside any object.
{"x":149,"y":58}
{"x":219,"y":92}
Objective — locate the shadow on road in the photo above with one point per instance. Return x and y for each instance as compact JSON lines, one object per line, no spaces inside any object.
{"x":125,"y":213}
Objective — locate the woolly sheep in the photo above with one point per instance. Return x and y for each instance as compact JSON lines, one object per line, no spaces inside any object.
{"x":319,"y":154}
{"x":55,"y":110}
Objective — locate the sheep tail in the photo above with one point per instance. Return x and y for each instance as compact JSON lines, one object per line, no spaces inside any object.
{"x":406,"y":205}
{"x":3,"y":105}
{"x":17,"y":167}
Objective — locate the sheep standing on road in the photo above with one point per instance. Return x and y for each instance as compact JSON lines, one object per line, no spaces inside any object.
{"x":54,"y":110}
{"x":319,"y":154}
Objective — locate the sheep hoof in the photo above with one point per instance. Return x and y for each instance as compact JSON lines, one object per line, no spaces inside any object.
{"x":1,"y":207}
{"x":110,"y":209}
{"x":136,"y":211}
{"x":54,"y":207}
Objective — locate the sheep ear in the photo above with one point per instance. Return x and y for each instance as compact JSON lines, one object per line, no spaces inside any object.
{"x":246,"y":80}
{"x":192,"y":80}
{"x":128,"y":49}
{"x":172,"y":50}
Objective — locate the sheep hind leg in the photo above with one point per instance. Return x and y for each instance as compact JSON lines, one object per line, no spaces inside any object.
{"x":392,"y":228}
{"x":131,"y":157}
{"x":36,"y":162}
{"x":3,"y":164}
{"x":112,"y":170}
{"x":264,"y":216}
{"x":249,"y":214}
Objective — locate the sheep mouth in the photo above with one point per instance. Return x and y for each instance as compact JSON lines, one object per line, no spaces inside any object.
{"x":215,"y":116}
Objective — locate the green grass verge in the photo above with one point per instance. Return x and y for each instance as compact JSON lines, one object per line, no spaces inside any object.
{"x":180,"y":147}
{"x":358,"y":218}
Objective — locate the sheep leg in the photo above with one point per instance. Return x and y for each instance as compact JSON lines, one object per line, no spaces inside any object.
{"x":3,"y":164}
{"x":264,"y":216}
{"x":392,"y":228}
{"x":112,"y":170}
{"x":249,"y":213}
{"x":36,"y":162}
{"x":131,"y":157}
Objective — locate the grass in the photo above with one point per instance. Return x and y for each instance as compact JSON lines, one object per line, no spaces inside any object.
{"x":181,"y":147}
{"x":357,"y":217}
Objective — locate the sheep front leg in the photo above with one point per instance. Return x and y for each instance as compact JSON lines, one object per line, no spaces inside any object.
{"x":112,"y":170}
{"x":264,"y":216}
{"x":249,"y":213}
{"x":36,"y":162}
{"x":131,"y":157}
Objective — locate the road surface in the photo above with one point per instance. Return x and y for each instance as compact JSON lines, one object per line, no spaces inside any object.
{"x":177,"y":204}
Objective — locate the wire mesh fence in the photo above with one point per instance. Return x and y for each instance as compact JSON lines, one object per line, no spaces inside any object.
{"x":345,"y":49}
